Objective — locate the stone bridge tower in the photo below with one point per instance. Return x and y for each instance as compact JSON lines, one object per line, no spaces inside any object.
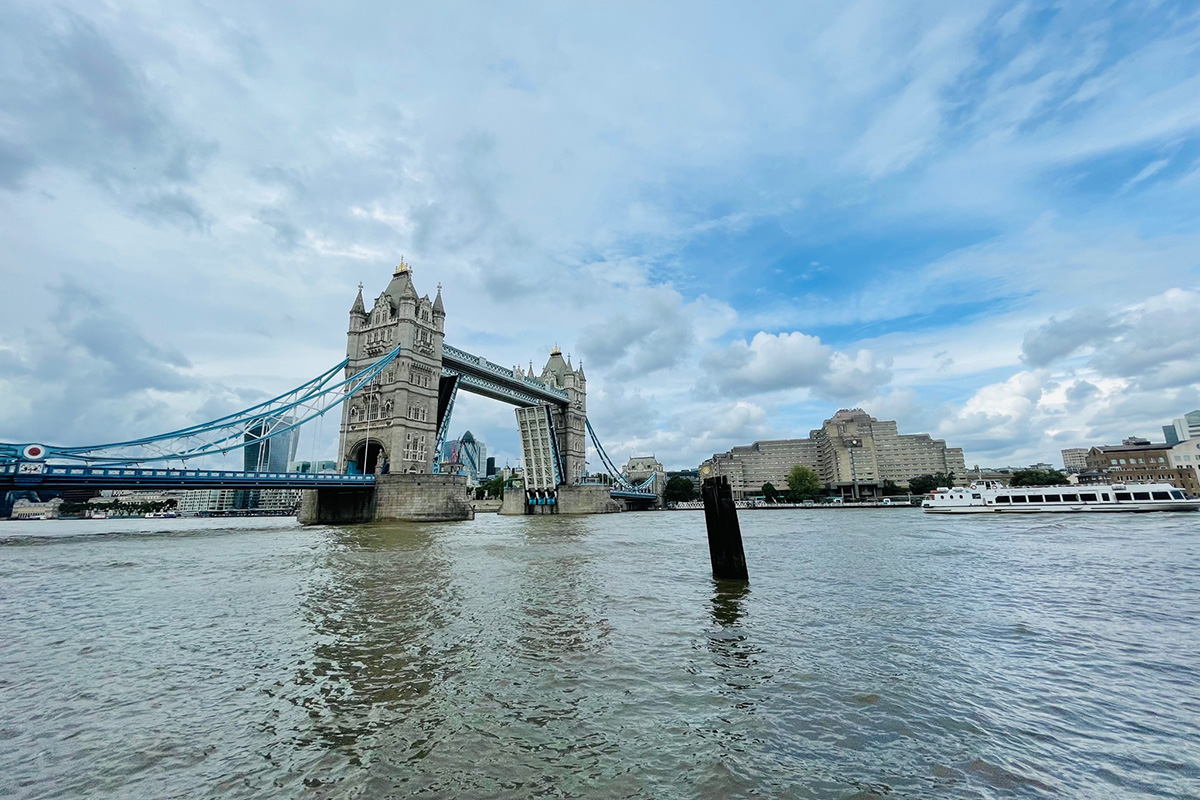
{"x":569,"y":421}
{"x":391,"y":426}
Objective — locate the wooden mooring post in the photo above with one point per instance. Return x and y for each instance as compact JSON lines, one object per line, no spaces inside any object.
{"x":724,"y":533}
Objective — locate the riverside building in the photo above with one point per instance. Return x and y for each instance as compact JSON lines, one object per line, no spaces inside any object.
{"x":1075,"y":459}
{"x":1183,"y":428}
{"x":852,"y":452}
{"x":1139,"y":461}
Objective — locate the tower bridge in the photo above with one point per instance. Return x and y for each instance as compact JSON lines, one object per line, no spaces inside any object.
{"x":395,"y":391}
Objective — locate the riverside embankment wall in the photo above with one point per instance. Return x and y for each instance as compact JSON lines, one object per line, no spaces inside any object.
{"x":405,"y":497}
{"x":570,"y":500}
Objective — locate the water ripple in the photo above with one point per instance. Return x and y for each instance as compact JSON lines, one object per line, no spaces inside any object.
{"x":874,"y":655}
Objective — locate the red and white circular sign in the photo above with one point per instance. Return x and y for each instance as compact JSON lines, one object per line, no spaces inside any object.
{"x":34,"y":452}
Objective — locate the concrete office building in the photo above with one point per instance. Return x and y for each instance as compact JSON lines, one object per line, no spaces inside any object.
{"x":1183,"y":428}
{"x":748,"y":467}
{"x":1186,"y":456}
{"x":223,"y":501}
{"x":312,"y":466}
{"x":1075,"y":459}
{"x":852,"y":452}
{"x":273,"y":454}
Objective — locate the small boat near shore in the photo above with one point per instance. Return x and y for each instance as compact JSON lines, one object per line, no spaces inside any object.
{"x":992,"y":497}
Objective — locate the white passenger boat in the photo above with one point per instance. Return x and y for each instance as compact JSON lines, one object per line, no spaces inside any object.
{"x":988,"y":497}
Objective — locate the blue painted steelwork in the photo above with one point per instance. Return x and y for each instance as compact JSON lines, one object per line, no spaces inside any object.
{"x":272,"y":418}
{"x":483,"y":377}
{"x":444,"y":427}
{"x":40,"y":475}
{"x":558,"y":469}
{"x":632,"y":495}
{"x":622,"y":486}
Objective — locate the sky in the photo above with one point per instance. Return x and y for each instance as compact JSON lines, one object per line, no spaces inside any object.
{"x":981,"y":220}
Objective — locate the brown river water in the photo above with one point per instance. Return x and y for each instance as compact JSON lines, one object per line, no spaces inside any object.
{"x":874,"y":654}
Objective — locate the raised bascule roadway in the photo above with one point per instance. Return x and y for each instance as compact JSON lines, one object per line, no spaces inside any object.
{"x":395,"y":394}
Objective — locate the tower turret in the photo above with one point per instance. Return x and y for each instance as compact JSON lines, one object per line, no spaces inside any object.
{"x":358,"y":311}
{"x":354,"y":334}
{"x":392,"y":424}
{"x":439,"y":311}
{"x":402,"y":292}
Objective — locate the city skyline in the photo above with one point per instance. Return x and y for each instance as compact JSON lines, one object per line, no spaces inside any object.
{"x":979,"y":222}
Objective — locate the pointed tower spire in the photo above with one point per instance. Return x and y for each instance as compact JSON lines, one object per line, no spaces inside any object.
{"x":438,"y":308}
{"x":358,"y":307}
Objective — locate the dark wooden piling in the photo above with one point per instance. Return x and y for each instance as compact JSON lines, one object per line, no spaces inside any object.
{"x":724,"y":533}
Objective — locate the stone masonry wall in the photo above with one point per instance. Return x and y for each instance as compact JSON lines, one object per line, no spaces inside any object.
{"x":571,"y":500}
{"x":335,"y":506}
{"x":421,"y":498}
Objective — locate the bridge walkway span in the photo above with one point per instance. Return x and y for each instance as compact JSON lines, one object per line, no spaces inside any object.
{"x":58,"y":476}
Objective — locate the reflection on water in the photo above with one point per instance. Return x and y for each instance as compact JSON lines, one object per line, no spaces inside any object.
{"x":727,"y":602}
{"x":881,"y":655}
{"x":377,"y":608}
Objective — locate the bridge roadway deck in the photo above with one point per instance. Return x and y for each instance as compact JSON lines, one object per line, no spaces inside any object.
{"x":483,"y":377}
{"x":34,"y":476}
{"x":28,"y":475}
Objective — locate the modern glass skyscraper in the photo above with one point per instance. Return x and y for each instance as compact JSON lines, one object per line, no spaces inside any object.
{"x":1184,"y":428}
{"x":465,"y":456}
{"x":273,"y":454}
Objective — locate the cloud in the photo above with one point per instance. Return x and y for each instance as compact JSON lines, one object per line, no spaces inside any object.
{"x":774,"y":362}
{"x":1060,"y":338}
{"x":1148,"y":171}
{"x":1151,"y":342}
{"x":73,"y":100}
{"x":1160,"y":337}
{"x":1081,"y":392}
{"x":952,"y":177}
{"x":175,"y":208}
{"x":653,"y":330}
{"x":100,"y":376}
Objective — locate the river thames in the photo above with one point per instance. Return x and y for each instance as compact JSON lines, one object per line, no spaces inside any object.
{"x":875,"y":654}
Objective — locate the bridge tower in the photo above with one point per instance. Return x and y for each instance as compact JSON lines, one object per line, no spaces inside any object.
{"x":391,"y":425}
{"x":570,"y":421}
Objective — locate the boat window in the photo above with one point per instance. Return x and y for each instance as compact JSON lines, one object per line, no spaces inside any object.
{"x":1052,"y":498}
{"x":1019,"y":498}
{"x":1141,"y":495}
{"x":1070,"y":498}
{"x":1179,"y":495}
{"x":1002,"y":499}
{"x":976,"y":495}
{"x":1162,"y":495}
{"x":1089,"y":497}
{"x":1035,"y":498}
{"x":1124,"y":496}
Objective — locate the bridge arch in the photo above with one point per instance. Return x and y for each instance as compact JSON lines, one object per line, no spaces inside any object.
{"x":367,"y":456}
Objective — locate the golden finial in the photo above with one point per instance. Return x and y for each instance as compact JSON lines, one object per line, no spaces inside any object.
{"x":402,"y":267}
